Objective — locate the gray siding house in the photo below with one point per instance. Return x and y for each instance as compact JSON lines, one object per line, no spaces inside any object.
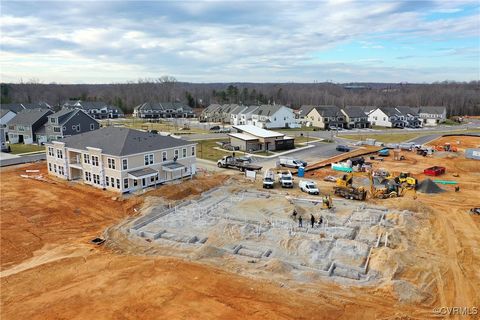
{"x":121,"y":159}
{"x":23,"y":128}
{"x":66,"y":122}
{"x":355,"y":117}
{"x":96,"y":109}
{"x":163,"y":110}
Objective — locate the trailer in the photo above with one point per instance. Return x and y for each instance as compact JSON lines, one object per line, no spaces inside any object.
{"x":235,"y":163}
{"x":434,"y":171}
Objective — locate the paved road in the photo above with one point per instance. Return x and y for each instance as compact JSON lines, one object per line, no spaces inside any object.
{"x":22,"y":159}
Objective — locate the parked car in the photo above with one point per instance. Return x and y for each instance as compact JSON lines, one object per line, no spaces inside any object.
{"x":309,"y":187}
{"x":215,"y":128}
{"x":335,"y":128}
{"x":292,"y":163}
{"x":223,"y":130}
{"x":342,"y":148}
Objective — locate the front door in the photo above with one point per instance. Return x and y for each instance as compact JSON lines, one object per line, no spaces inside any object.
{"x":144,"y":182}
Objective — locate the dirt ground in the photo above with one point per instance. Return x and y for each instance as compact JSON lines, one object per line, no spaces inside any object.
{"x":461,"y":144}
{"x":49,"y":270}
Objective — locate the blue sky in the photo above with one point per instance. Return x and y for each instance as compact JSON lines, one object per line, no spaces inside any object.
{"x":249,"y":41}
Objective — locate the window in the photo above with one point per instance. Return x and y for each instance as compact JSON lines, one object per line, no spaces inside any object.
{"x":52,"y":120}
{"x":107,"y":181}
{"x":176,"y":153}
{"x":118,"y":183}
{"x":152,"y":179}
{"x":55,"y":168}
{"x":125,"y":183}
{"x":59,"y":154}
{"x":50,"y":151}
{"x":135,"y":182}
{"x":21,"y":128}
{"x":11,"y":127}
{"x":112,"y":180}
{"x":124,"y":164}
{"x":164,"y":156}
{"x":96,"y":178}
{"x":193,"y":152}
{"x":56,"y":129}
{"x":95,"y":161}
{"x":148,"y":159}
{"x":76,"y":127}
{"x":49,"y":167}
{"x":184,"y":152}
{"x":92,"y":126}
{"x":111,"y":163}
{"x":88,"y":176}
{"x":86,"y":158}
{"x":60,"y":170}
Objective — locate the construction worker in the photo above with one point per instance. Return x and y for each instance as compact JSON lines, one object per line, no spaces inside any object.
{"x":320,"y":221}
{"x":312,"y":220}
{"x":300,"y":221}
{"x":294,"y":214}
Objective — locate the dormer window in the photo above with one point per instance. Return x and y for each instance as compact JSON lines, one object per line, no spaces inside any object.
{"x":52,"y":120}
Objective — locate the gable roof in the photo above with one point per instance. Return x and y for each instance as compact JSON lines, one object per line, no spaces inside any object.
{"x":432,"y":109}
{"x":354,"y":111}
{"x":390,"y":111}
{"x":117,"y":141}
{"x":305,"y":109}
{"x":5,"y":111}
{"x":327,"y":111}
{"x":407,"y":110}
{"x":161,"y":106}
{"x":28,"y":117}
{"x":267,"y":110}
{"x":17,"y":107}
{"x":239,"y":110}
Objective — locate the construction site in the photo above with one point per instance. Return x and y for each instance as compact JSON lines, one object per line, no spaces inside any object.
{"x":393,"y":235}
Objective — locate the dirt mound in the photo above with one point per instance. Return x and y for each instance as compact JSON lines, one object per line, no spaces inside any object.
{"x":278,"y":266}
{"x":188,"y":188}
{"x":206,"y":252}
{"x":411,"y":205}
{"x":407,"y":292}
{"x":428,"y":186}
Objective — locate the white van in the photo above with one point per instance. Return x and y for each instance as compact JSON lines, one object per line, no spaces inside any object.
{"x":309,"y":187}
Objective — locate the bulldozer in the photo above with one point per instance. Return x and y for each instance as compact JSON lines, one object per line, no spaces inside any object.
{"x":406,"y":180}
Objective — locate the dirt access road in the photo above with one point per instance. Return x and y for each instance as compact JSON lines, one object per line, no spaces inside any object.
{"x":50,"y":271}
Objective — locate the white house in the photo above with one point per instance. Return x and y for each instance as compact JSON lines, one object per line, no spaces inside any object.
{"x":273,"y":116}
{"x":386,"y":117}
{"x":432,"y":116}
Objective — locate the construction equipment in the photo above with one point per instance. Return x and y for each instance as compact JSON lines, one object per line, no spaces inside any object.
{"x":384,"y":152}
{"x":406,"y":181}
{"x":447,"y":147}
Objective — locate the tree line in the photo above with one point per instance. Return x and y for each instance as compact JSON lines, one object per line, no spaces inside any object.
{"x":460,"y":98}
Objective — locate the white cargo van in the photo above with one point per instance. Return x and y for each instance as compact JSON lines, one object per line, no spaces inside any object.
{"x":309,"y":187}
{"x":292,"y":163}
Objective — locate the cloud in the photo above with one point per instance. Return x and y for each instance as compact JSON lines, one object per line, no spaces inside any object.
{"x":215,"y":41}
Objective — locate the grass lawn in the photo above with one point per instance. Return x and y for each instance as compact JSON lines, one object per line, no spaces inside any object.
{"x":205,"y":150}
{"x":18,"y":148}
{"x":400,"y":137}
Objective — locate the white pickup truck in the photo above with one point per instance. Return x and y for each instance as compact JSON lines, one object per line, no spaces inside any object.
{"x":286,"y":179}
{"x":292,"y":163}
{"x":268,"y":179}
{"x":309,"y":187}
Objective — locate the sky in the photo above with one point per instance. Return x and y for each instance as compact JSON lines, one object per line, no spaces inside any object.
{"x":248,"y":41}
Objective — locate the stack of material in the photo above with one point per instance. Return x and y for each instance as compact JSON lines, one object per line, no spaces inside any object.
{"x":428,"y":186}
